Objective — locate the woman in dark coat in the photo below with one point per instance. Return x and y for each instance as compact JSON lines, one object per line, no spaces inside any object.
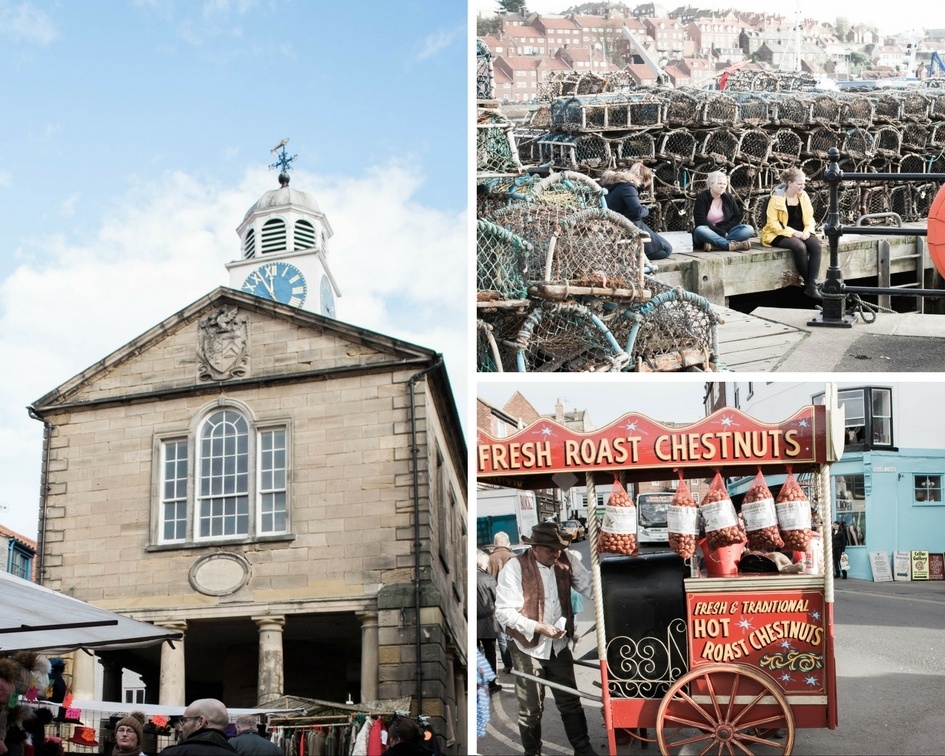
{"x":487,"y":626}
{"x":623,"y":196}
{"x":717,"y":217}
{"x":839,"y":546}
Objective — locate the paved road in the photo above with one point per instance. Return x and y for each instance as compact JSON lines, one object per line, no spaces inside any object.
{"x":890,"y":650}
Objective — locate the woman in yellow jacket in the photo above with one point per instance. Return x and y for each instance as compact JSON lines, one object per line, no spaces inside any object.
{"x":789,"y":224}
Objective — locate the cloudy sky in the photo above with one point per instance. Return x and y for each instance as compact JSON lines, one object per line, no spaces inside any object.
{"x":905,"y":17}
{"x":137,"y":133}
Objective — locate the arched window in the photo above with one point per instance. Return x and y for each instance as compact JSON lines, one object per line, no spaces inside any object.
{"x":273,"y":236}
{"x":249,"y":244}
{"x":304,"y":235}
{"x":235,"y":487}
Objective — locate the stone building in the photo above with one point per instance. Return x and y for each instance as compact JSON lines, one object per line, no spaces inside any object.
{"x":287,"y":490}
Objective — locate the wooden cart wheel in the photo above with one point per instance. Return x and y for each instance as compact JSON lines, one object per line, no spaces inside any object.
{"x":719,"y":709}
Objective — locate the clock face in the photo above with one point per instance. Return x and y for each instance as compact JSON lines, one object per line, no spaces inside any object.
{"x":278,"y":281}
{"x":328,"y":297}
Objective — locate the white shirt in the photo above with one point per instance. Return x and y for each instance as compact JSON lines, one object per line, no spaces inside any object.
{"x":510,"y":600}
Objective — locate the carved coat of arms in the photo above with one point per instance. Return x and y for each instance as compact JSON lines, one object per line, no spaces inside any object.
{"x":222,"y":349}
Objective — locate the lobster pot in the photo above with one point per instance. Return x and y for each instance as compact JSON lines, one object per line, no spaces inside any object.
{"x":914,"y":106}
{"x":753,"y":109}
{"x":793,"y":110}
{"x":569,"y":189}
{"x":786,"y":145}
{"x":720,"y":145}
{"x":813,"y":168}
{"x":849,"y":203}
{"x":915,"y":136}
{"x":820,"y":202}
{"x":570,"y":152}
{"x":887,"y":140}
{"x":594,"y":252}
{"x":937,"y":135}
{"x":856,"y":110}
{"x":529,"y":151}
{"x":500,"y":264}
{"x":669,"y":174}
{"x":888,"y":108}
{"x":679,"y":144}
{"x":675,"y":331}
{"x":857,"y":142}
{"x":607,"y":112}
{"x":496,"y":332}
{"x":535,"y":223}
{"x":490,"y":198}
{"x":682,"y":108}
{"x":900,"y":202}
{"x":825,"y":109}
{"x":754,"y":146}
{"x":485,"y":81}
{"x":821,"y":139}
{"x":719,"y":109}
{"x":875,"y":200}
{"x":634,"y":147}
{"x":495,"y":144}
{"x":936,"y":100}
{"x":676,"y":214}
{"x":568,"y":338}
{"x":744,"y":178}
{"x":936,"y":164}
{"x":911,"y":163}
{"x":922,"y":197}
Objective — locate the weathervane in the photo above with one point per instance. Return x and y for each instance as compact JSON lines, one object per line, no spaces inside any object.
{"x":282,"y":162}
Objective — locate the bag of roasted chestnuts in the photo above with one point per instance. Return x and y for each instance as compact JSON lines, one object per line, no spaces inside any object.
{"x":718,"y":513}
{"x":761,"y":519}
{"x":793,"y":508}
{"x":682,"y":522}
{"x":618,"y":529}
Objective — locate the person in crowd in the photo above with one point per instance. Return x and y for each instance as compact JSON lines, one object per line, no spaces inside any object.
{"x":533,"y":604}
{"x":717,"y":218}
{"x":249,"y":742}
{"x":202,"y":730}
{"x":487,"y":627}
{"x":501,"y":553}
{"x":789,"y":224}
{"x":129,"y":735}
{"x":404,"y":738}
{"x":623,"y":196}
{"x":839,"y":536}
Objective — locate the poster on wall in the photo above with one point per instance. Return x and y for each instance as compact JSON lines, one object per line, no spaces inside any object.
{"x":936,"y":566}
{"x":920,"y":565}
{"x":902,"y":565}
{"x":879,"y":562}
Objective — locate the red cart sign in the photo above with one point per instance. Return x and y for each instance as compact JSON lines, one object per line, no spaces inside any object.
{"x":781,"y":633}
{"x":727,"y":437}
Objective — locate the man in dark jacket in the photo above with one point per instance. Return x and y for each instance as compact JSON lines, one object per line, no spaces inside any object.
{"x":248,"y":741}
{"x":202,"y":730}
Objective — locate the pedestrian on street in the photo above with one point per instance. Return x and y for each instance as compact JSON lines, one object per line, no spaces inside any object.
{"x":248,"y":741}
{"x":533,"y":604}
{"x":487,"y":627}
{"x":501,"y":553}
{"x":839,"y":547}
{"x":202,"y":730}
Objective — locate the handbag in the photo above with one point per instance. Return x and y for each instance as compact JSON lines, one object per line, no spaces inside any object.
{"x":844,"y":561}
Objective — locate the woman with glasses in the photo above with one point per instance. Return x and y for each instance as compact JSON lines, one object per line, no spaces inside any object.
{"x":789,"y":224}
{"x":129,"y":735}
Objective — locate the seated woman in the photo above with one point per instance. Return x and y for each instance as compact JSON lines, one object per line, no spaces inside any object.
{"x":789,"y":224}
{"x":717,"y":215}
{"x":623,"y":196}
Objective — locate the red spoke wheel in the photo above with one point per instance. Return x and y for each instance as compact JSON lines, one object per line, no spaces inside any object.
{"x":724,"y":709}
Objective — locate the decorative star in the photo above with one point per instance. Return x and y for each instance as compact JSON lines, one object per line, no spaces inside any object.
{"x":786,"y":677}
{"x":815,"y":615}
{"x":727,"y":421}
{"x":744,"y":623}
{"x":786,"y":644}
{"x":545,"y":431}
{"x":632,"y":428}
{"x":802,"y":423}
{"x":811,"y":681}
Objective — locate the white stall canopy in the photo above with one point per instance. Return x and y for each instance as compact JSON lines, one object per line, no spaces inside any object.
{"x":34,"y":618}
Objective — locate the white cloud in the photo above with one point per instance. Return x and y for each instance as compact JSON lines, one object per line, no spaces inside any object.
{"x":439,"y":40}
{"x":22,"y":22}
{"x":400,"y":267}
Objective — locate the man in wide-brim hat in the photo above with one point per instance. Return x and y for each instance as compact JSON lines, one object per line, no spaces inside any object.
{"x":533,"y":604}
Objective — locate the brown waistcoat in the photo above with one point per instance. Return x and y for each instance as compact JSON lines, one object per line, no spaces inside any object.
{"x":532,"y":589}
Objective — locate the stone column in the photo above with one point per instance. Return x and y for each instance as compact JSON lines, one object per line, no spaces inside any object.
{"x":83,"y":676}
{"x":369,"y":656}
{"x":270,"y":679}
{"x":172,"y":685}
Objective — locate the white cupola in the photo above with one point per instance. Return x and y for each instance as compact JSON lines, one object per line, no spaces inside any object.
{"x":284,"y":247}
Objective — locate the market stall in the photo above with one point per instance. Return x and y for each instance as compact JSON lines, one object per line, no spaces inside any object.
{"x":709,"y":654}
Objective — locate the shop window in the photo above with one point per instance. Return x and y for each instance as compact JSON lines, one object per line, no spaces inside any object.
{"x":228,"y":480}
{"x":927,"y":489}
{"x":850,"y":497}
{"x":868,"y":420}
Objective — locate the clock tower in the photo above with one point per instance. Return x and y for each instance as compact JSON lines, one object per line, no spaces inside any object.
{"x":283,"y":240}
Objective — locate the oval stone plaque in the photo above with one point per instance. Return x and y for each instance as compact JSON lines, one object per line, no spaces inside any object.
{"x":219,"y":574}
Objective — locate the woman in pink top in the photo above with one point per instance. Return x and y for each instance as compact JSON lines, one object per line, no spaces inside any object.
{"x":717,"y":216}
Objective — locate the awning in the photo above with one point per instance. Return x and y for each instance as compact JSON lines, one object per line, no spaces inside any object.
{"x":34,"y":618}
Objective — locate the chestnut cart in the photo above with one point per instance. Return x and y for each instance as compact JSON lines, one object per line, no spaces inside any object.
{"x":726,"y":665}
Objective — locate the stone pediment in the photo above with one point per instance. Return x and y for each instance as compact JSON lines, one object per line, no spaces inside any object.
{"x":230,"y":338}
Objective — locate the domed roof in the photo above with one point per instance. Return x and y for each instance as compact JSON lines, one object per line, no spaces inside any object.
{"x":282,"y":197}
